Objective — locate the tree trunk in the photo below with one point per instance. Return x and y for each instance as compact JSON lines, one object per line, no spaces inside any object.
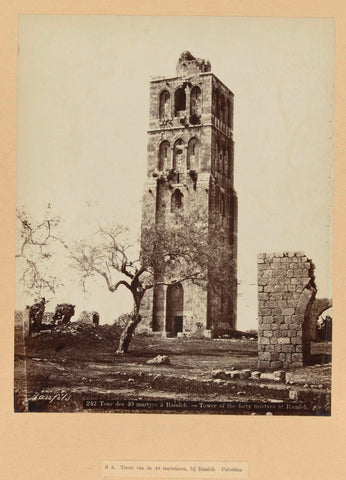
{"x":126,"y":335}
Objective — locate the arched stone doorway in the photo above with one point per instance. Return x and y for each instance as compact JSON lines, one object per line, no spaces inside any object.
{"x":319,"y":306}
{"x":303,"y":315}
{"x":174,"y":309}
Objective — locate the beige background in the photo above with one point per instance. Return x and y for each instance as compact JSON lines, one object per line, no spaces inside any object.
{"x":82,"y":77}
{"x":71,"y":446}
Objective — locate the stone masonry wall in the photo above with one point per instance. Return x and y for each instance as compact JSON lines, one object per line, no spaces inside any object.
{"x":286,"y":291}
{"x":190,"y":154}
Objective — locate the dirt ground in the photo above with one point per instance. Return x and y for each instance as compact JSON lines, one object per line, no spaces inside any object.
{"x":70,"y":370}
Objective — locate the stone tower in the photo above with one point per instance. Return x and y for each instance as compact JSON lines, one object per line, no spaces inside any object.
{"x":191,"y":138}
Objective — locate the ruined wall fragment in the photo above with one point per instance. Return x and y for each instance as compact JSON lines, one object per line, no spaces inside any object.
{"x":286,"y":291}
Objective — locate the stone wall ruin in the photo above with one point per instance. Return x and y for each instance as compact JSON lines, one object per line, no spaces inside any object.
{"x":63,"y":313}
{"x":86,"y":317}
{"x":286,"y":291}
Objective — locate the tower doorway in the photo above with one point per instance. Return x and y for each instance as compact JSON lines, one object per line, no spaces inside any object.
{"x":174,"y":309}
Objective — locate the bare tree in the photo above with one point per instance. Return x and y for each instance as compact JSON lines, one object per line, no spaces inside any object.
{"x":36,"y":240}
{"x":186,"y":251}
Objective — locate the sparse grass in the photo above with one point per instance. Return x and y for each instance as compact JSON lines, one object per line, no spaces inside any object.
{"x":84,"y":364}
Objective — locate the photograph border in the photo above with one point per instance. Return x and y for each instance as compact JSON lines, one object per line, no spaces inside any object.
{"x":51,"y":446}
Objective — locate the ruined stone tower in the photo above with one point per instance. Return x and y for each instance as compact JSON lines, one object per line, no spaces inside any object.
{"x":191,"y":138}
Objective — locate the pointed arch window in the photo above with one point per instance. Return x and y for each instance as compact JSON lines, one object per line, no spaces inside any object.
{"x":177,"y":204}
{"x":229,"y":162}
{"x":192,"y":162}
{"x":226,"y":163}
{"x":226,"y":113}
{"x":220,"y":159}
{"x":165,"y":105}
{"x":178,"y":154}
{"x":229,"y":114}
{"x":164,"y":156}
{"x":224,"y":160}
{"x":222,"y":113}
{"x":217,"y":148}
{"x":195,"y":100}
{"x":222,"y":205}
{"x":217,"y":199}
{"x":217,"y":106}
{"x":179,"y":101}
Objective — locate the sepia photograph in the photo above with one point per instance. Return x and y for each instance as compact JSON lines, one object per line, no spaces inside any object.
{"x":174,"y":215}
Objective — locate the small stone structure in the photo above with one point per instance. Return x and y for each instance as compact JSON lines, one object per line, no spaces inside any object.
{"x":36,"y":312}
{"x":26,"y":320}
{"x":89,"y":317}
{"x":63,"y":313}
{"x":286,"y":291}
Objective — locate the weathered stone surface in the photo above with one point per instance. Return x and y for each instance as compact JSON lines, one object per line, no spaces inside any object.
{"x":159,"y":360}
{"x":222,"y":374}
{"x":293,"y":394}
{"x":286,"y":290}
{"x":263,"y":364}
{"x":264,"y":355}
{"x":279,"y":375}
{"x":276,"y":364}
{"x":36,"y":312}
{"x":63,"y":313}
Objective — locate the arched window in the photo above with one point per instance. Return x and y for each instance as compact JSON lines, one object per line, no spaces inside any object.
{"x":195,"y":101}
{"x":192,"y":162}
{"x":229,"y":113}
{"x":164,"y":154}
{"x":224,"y":160}
{"x":179,"y":101}
{"x":222,"y":205}
{"x":165,"y":105}
{"x":226,"y":163}
{"x":220,"y":159}
{"x":178,"y":154}
{"x":222,"y":113}
{"x":174,"y":308}
{"x":217,"y":106}
{"x":217,"y":155}
{"x":217,"y":199}
{"x":177,"y":201}
{"x":226,"y":112}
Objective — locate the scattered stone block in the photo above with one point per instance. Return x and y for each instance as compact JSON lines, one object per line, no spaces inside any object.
{"x":293,"y":394}
{"x":267,"y":376}
{"x":279,"y":375}
{"x":159,"y":360}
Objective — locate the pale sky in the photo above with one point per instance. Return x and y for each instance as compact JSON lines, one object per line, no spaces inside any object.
{"x":83,"y":103}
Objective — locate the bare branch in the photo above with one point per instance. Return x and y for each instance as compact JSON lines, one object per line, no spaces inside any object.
{"x":35,"y":243}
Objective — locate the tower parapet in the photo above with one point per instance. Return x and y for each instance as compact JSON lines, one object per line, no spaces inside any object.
{"x":188,"y":64}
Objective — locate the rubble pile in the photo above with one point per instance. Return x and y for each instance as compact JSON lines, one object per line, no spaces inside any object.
{"x":87,"y":331}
